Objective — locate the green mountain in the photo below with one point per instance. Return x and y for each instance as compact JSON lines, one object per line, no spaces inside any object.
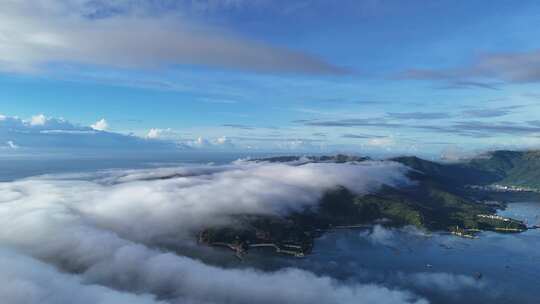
{"x":439,"y":200}
{"x":511,"y":168}
{"x":455,"y":174}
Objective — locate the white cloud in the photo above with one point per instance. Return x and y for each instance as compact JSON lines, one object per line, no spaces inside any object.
{"x":166,"y":134}
{"x":103,"y":229}
{"x":38,"y":120}
{"x":381,"y":142}
{"x":12,"y":145}
{"x":41,"y":134}
{"x":200,"y":142}
{"x":154,"y":133}
{"x":223,"y":140}
{"x":446,"y":282}
{"x":212,"y":144}
{"x":35,"y":34}
{"x":209,"y":198}
{"x":100,"y":125}
{"x":26,"y":280}
{"x":389,"y":237}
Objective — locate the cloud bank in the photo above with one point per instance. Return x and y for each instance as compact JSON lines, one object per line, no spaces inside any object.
{"x":100,"y":236}
{"x":26,"y":280}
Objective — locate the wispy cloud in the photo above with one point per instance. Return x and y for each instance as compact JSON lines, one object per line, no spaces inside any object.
{"x":350,"y":122}
{"x":420,"y":115}
{"x":239,"y":126}
{"x":491,"y":112}
{"x":510,"y":67}
{"x":493,"y":128}
{"x":361,"y":136}
{"x":478,"y":129}
{"x":464,"y":84}
{"x":94,"y":33}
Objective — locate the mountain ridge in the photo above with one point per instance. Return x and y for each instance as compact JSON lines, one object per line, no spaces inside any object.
{"x":439,"y":200}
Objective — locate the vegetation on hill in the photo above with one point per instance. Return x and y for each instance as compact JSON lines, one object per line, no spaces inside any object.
{"x":437,"y":201}
{"x":339,"y":159}
{"x":512,"y":168}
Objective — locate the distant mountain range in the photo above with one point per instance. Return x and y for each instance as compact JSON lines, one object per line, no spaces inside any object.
{"x":510,"y":168}
{"x":454,"y":197}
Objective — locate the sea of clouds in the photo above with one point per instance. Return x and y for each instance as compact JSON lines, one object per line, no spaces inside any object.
{"x":102,"y":237}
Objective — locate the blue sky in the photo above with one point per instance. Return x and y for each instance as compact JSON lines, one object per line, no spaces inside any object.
{"x":364,"y":76}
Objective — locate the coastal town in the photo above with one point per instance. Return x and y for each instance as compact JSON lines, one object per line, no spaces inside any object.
{"x":491,"y":222}
{"x":503,"y":188}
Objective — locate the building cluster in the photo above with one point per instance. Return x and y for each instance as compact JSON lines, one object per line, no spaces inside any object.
{"x":504,"y":188}
{"x":494,"y":217}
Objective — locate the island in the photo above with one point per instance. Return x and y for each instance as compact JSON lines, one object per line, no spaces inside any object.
{"x":454,"y":197}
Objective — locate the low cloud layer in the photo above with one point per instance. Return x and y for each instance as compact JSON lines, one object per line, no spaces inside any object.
{"x":27,"y":280}
{"x":143,"y":206}
{"x":108,"y":230}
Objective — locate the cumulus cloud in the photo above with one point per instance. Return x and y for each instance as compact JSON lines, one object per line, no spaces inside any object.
{"x":171,"y":136}
{"x":38,"y":120}
{"x":37,"y":123}
{"x":200,"y":142}
{"x":103,"y":228}
{"x":41,"y":134}
{"x":155,"y":133}
{"x":94,"y":32}
{"x":100,"y":125}
{"x":12,"y":145}
{"x":223,"y":140}
{"x":219,"y":143}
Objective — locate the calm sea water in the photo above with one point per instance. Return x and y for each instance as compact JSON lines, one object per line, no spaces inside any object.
{"x":495,"y":268}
